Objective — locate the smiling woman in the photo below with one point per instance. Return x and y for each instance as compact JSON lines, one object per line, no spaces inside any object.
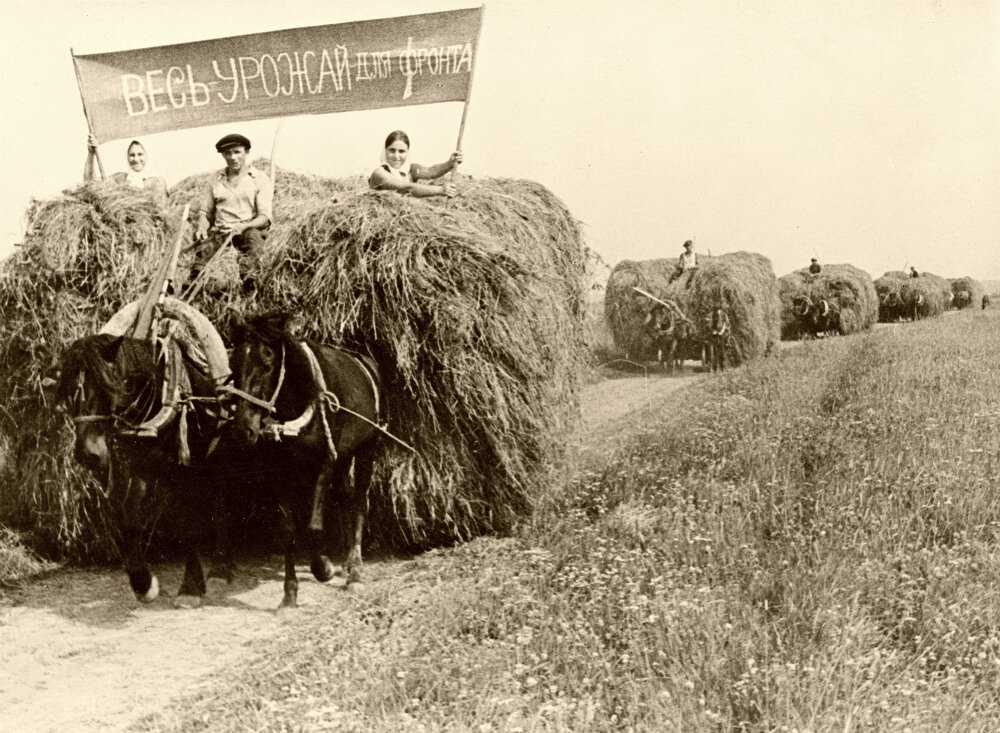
{"x":137,"y":176}
{"x":393,"y":176}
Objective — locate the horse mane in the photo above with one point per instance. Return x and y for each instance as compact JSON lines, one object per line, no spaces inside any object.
{"x":93,"y":356}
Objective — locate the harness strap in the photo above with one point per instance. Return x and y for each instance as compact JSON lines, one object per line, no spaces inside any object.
{"x":176,"y":381}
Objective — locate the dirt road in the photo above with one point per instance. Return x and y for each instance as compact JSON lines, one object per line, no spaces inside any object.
{"x":78,"y":653}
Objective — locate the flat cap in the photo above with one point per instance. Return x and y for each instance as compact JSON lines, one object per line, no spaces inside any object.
{"x":689,"y":242}
{"x":230,"y":140}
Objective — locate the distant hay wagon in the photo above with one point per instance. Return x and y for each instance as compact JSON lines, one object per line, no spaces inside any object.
{"x":743,"y":283}
{"x":966,"y":292}
{"x":912,"y":298}
{"x":846,"y":288}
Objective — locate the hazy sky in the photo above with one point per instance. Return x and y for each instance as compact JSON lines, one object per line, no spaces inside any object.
{"x":856,"y":130}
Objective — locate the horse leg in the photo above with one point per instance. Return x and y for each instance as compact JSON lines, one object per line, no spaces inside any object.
{"x":357,"y":506}
{"x":192,"y":588}
{"x":223,"y":565}
{"x":224,"y":502}
{"x":320,"y":565}
{"x":141,"y":579}
{"x":291,"y":596}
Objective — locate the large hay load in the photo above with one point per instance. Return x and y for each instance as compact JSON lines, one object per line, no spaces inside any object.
{"x":741,"y":282}
{"x":475,"y":310}
{"x":850,"y":288}
{"x":966,"y":292}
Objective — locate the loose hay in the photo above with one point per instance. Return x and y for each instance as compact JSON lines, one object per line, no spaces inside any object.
{"x":475,"y":309}
{"x":742,"y":282}
{"x":850,"y":288}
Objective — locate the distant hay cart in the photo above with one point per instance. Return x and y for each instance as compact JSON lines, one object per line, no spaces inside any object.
{"x":966,"y":292}
{"x":849,"y":288}
{"x":909,"y":298}
{"x":741,"y":282}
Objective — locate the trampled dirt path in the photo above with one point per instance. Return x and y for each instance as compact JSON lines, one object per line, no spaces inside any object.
{"x":79,"y":654}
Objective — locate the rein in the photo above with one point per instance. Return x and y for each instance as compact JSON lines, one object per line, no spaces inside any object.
{"x":268,"y":405}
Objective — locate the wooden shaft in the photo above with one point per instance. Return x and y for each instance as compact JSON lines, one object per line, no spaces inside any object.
{"x":86,"y":116}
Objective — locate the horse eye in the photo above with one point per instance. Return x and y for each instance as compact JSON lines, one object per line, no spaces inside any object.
{"x":267,"y":354}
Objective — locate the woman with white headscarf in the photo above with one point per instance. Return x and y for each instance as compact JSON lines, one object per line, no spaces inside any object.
{"x":138,"y":176}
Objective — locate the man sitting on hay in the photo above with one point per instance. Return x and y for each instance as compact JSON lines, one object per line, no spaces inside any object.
{"x":237,"y":202}
{"x":687,"y":261}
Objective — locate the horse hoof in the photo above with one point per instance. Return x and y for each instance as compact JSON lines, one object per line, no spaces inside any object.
{"x":187,"y":602}
{"x":152,"y":594}
{"x":322,"y":569}
{"x":225,"y":574}
{"x":355,"y":586}
{"x":286,"y":612}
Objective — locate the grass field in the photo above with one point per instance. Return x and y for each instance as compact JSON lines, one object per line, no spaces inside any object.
{"x":809,"y":543}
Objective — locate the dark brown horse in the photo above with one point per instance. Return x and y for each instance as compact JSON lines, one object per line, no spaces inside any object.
{"x":146,"y":420}
{"x":321,"y":404}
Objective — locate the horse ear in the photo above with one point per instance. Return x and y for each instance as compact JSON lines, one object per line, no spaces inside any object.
{"x":108,"y":348}
{"x":281,"y":321}
{"x":237,"y":326}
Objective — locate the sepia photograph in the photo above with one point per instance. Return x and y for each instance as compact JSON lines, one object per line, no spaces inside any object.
{"x":404,"y":366}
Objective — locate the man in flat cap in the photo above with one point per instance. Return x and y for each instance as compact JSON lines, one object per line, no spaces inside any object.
{"x":237,"y":201}
{"x":687,"y":261}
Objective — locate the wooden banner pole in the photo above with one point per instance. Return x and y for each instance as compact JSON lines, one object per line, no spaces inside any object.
{"x":91,"y":153}
{"x":274,"y":154}
{"x":468,"y":95}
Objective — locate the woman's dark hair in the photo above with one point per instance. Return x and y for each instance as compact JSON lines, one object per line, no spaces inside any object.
{"x":136,"y":142}
{"x":397,"y":135}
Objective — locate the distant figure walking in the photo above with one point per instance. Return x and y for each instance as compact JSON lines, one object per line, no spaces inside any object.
{"x":986,"y":302}
{"x":718,"y":339}
{"x":913,"y":271}
{"x":814,"y":267}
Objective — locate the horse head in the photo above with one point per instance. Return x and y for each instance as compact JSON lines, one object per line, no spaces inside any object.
{"x":659,"y":320}
{"x":86,"y":387}
{"x":264,"y":350}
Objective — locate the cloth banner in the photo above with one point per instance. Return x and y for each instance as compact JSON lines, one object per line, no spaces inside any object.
{"x":371,"y":64}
